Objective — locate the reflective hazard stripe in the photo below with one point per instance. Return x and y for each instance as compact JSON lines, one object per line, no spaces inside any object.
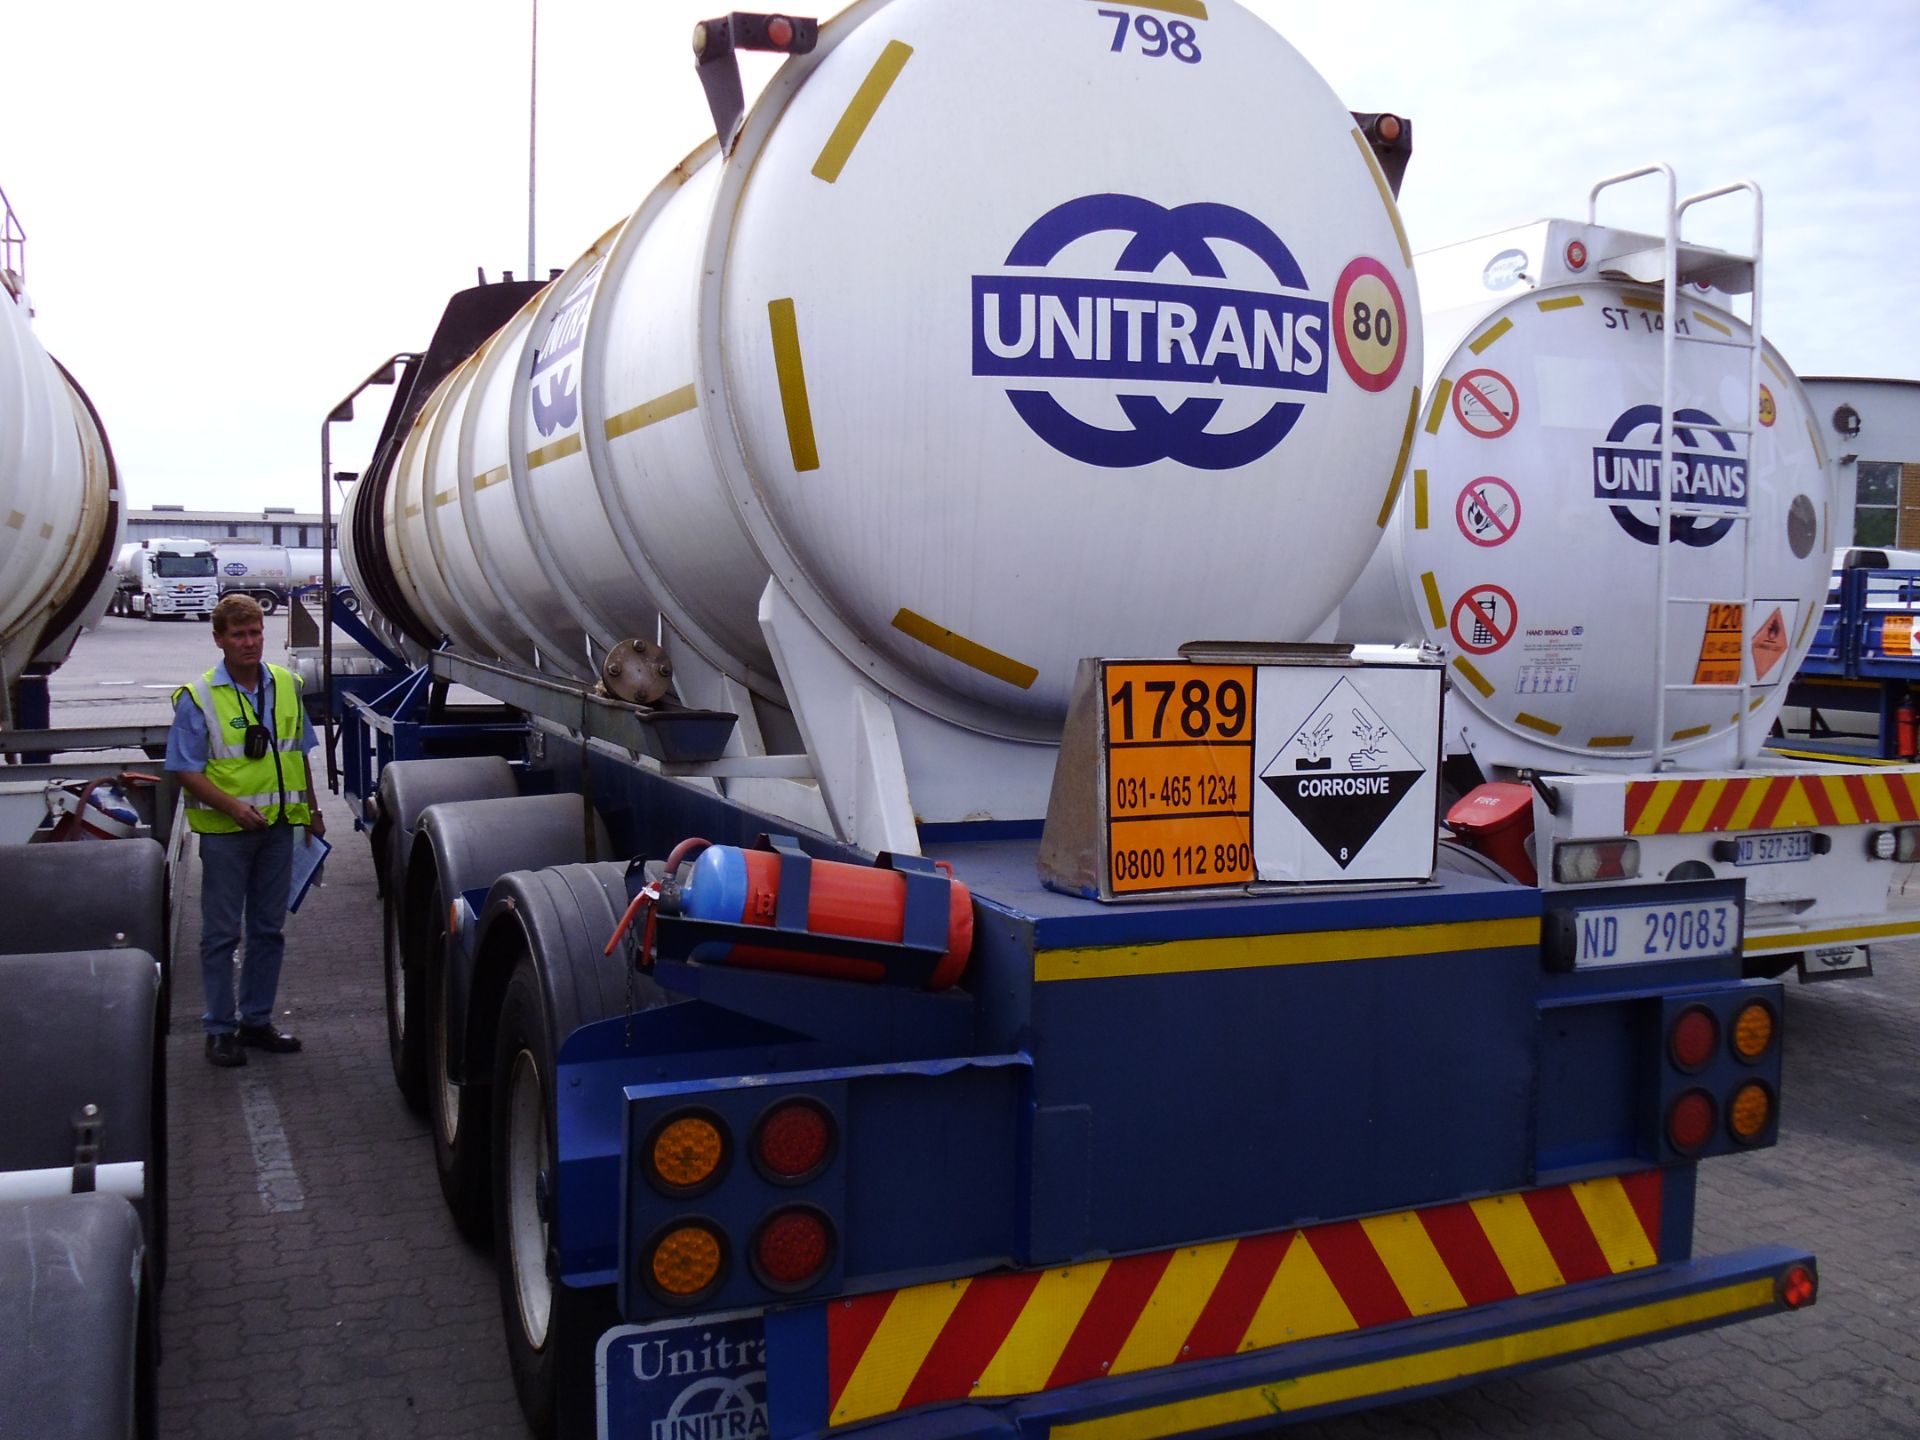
{"x":217,"y":743}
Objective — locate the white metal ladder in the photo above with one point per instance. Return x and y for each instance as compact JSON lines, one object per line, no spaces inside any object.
{"x":1681,"y":263}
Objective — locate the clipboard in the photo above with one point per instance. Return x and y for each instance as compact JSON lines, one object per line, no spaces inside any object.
{"x":309,"y":854}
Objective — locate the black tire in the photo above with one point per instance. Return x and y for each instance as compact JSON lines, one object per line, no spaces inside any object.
{"x":406,"y":1041}
{"x":525,"y":1146}
{"x":269,"y":602}
{"x":459,"y":1113}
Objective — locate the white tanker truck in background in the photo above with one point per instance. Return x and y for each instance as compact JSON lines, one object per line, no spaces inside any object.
{"x":269,"y":573}
{"x":82,"y":955}
{"x":167,"y":576}
{"x":876,"y":571}
{"x":1618,"y":659}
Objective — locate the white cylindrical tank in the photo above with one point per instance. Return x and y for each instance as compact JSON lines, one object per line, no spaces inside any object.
{"x":58,"y":501}
{"x":1007,"y":335}
{"x":1524,"y":542}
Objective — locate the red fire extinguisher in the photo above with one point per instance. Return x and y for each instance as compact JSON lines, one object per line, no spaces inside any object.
{"x":1906,"y":728}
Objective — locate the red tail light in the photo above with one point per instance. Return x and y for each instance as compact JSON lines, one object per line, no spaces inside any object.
{"x":792,"y":1248}
{"x":793,"y":1142}
{"x":1798,"y":1287}
{"x":1690,"y":1122}
{"x":1694,"y":1038}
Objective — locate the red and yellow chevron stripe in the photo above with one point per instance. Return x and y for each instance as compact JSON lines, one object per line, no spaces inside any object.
{"x":1778,"y":802}
{"x":1018,"y":1333}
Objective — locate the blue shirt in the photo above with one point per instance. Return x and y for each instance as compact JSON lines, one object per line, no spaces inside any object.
{"x":187,"y":740}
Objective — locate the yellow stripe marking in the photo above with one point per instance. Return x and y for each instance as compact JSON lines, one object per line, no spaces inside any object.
{"x":793,"y":385}
{"x":1534,"y":722}
{"x":1194,"y":9}
{"x":1640,"y":302}
{"x":1432,"y":1367}
{"x":1434,"y":608}
{"x":1609,"y":742}
{"x":1300,"y":1303}
{"x":1749,"y":806}
{"x":907,"y":1332}
{"x":1878,"y":793}
{"x":558,"y":450}
{"x":1386,"y":194}
{"x":412,"y":510}
{"x":967,"y":652}
{"x":1708,"y":320}
{"x":1795,"y":810}
{"x":1400,"y":463}
{"x":1420,"y":523}
{"x":1522,"y":1250}
{"x":1563,"y":302}
{"x":1691,"y":731}
{"x":1649,"y":821}
{"x":46,"y":532}
{"x":493,"y":477}
{"x":1768,"y":941}
{"x":1260,"y":952}
{"x":1826,"y":759}
{"x":1184,"y":1289}
{"x":1703,"y":803}
{"x":1755,"y":703}
{"x":1437,"y":410}
{"x":444,"y":497}
{"x":1767,"y":360}
{"x":1486,"y":341}
{"x":16,"y":520}
{"x":1474,"y":677}
{"x":1038,"y":1338}
{"x":1804,"y":625}
{"x":1841,"y":801}
{"x":1615,"y":1224}
{"x":661,"y":407}
{"x":1418,"y":1272}
{"x":860,"y":111}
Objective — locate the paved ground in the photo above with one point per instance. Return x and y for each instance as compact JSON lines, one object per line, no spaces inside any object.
{"x":318,"y":1289}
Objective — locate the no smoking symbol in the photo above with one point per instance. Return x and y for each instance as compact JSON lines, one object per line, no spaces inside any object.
{"x":1486,"y":403}
{"x":1488,"y":511}
{"x":1483,"y":619}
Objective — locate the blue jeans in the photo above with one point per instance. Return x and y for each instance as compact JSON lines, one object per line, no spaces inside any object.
{"x":244,"y":874}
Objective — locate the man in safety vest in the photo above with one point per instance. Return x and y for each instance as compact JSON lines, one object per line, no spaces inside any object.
{"x":239,"y":745}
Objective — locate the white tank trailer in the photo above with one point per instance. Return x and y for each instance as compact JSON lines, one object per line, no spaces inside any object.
{"x":977,"y":401}
{"x":59,"y":508}
{"x":1523,"y":543}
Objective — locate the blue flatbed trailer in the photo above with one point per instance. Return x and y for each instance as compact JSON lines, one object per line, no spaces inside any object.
{"x":1863,"y":661}
{"x":1151,"y":1169}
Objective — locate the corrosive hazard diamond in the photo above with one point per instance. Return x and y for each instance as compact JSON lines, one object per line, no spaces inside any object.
{"x":1341,"y":773}
{"x":1769,"y":644}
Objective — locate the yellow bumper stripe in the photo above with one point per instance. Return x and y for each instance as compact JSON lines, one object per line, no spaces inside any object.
{"x":1260,"y":952}
{"x":907,"y":1331}
{"x":1765,"y":943}
{"x":1300,"y":1304}
{"x":1418,"y":1272}
{"x":1610,"y":1214}
{"x":1184,"y":1289}
{"x":860,"y":111}
{"x":1511,"y":1230}
{"x":1033,"y":1347}
{"x":1432,"y":1367}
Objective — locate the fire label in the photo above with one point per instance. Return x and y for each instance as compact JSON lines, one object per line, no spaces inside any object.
{"x":1488,"y":511}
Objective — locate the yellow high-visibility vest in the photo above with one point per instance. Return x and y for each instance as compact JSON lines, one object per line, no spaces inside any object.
{"x":276,"y":783}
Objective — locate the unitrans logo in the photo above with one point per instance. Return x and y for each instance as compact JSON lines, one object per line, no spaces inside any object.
{"x":1701,"y":474}
{"x":722,"y":1400}
{"x":1042,"y":324}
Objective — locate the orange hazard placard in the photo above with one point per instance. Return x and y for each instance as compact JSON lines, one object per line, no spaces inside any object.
{"x":1896,"y":635}
{"x":1179,"y":751}
{"x":1720,"y":646}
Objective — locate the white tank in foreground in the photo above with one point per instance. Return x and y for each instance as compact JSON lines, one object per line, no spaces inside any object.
{"x":1004,"y":337}
{"x":1524,"y":542}
{"x":59,"y":503}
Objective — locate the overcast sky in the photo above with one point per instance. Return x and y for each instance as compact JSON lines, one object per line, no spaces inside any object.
{"x":235,"y":210}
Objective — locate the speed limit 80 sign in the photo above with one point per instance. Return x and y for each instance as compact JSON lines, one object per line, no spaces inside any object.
{"x":1369,"y":324}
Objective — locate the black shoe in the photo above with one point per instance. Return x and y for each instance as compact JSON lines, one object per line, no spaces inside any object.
{"x":265,"y":1037}
{"x":224,"y":1049}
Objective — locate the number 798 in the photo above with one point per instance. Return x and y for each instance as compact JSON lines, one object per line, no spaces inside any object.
{"x":1156,"y":39}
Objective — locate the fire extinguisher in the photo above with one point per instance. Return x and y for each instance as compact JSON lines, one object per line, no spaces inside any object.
{"x":1906,"y":728}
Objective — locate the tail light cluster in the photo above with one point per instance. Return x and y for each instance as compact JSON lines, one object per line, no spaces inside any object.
{"x":1721,"y":1073}
{"x":756,"y":1216}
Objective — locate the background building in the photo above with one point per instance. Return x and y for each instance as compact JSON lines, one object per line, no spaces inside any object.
{"x":271,"y":526}
{"x":1873,"y":428}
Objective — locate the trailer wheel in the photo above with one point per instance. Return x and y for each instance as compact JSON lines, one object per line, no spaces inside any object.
{"x":405,"y":1048}
{"x":269,"y":602}
{"x":523,"y":1181}
{"x":458,"y":1112}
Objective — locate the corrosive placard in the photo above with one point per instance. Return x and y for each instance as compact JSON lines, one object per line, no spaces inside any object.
{"x":1179,"y":747}
{"x":1347,"y":763}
